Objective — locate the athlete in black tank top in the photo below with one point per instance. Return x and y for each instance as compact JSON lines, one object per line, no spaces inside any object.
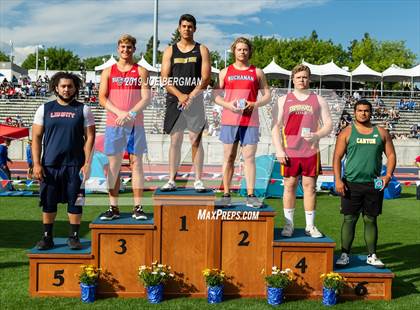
{"x":186,"y":67}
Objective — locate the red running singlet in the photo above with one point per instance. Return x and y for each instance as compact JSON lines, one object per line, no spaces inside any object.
{"x":241,"y":84}
{"x":124,"y":91}
{"x":300,"y":116}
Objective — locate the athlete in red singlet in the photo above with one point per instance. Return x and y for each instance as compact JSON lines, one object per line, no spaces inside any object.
{"x":241,"y":82}
{"x":296,"y":133}
{"x":124,"y":93}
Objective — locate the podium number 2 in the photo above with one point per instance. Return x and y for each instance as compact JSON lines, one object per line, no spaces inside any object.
{"x":243,"y":241}
{"x":58,"y":275}
{"x":122,"y":246}
{"x":183,"y":223}
{"x":302,"y":265}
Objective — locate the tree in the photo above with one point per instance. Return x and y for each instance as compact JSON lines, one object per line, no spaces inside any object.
{"x":176,"y":36}
{"x":216,"y":59}
{"x":91,"y":62}
{"x":4,"y":56}
{"x":58,"y":59}
{"x":148,"y":55}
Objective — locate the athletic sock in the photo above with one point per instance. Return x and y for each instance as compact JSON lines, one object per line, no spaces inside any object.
{"x":48,"y":228}
{"x":347,"y":232}
{"x":289,"y":215}
{"x":371,"y":233}
{"x":310,"y":219}
{"x":74,"y":229}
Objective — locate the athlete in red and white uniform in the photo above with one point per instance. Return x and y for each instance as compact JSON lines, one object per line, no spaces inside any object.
{"x":296,"y":133}
{"x":124,"y":93}
{"x":241,"y":83}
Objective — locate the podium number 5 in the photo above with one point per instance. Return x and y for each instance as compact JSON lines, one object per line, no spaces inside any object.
{"x":122,"y":246}
{"x":58,"y":275}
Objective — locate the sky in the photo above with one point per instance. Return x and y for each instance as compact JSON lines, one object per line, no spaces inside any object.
{"x":91,"y":27}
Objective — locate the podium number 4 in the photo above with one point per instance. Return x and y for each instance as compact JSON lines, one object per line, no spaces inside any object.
{"x":302,"y":265}
{"x":58,"y":274}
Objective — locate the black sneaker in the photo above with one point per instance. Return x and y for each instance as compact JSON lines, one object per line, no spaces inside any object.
{"x":112,"y":213}
{"x":74,"y":243}
{"x":225,"y":201}
{"x":138,"y":213}
{"x":46,"y":243}
{"x":253,"y":202}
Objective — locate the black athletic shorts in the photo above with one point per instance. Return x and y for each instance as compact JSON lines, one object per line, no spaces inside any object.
{"x":60,"y":185}
{"x":193,"y":118}
{"x":362,"y":197}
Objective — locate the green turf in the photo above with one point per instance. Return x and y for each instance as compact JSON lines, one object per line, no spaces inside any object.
{"x":399,"y":247}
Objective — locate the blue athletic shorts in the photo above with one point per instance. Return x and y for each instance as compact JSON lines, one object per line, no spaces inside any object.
{"x":244,"y":134}
{"x":61,"y":185}
{"x":119,"y":139}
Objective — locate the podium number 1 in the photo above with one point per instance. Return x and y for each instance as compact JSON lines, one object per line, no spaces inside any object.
{"x":58,"y":274}
{"x":183,"y":223}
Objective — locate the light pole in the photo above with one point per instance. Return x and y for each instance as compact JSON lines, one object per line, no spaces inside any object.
{"x":37,"y":59}
{"x":216,"y":64}
{"x":226,"y":52}
{"x":45,"y":66}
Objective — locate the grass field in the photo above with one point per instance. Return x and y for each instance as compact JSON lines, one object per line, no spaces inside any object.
{"x":398,"y":246}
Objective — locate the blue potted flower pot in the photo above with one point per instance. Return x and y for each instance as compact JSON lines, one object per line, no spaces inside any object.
{"x":214,"y":294}
{"x":274,"y":295}
{"x":87,"y":292}
{"x":329,"y":296}
{"x":155,"y":293}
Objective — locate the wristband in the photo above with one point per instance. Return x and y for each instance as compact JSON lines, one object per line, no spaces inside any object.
{"x":132,"y":114}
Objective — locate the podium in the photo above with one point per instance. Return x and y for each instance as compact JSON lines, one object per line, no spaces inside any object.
{"x":184,"y":241}
{"x":119,"y":247}
{"x":189,"y":233}
{"x":54,"y":272}
{"x":307,"y":257}
{"x":244,"y":239}
{"x":365,"y":281}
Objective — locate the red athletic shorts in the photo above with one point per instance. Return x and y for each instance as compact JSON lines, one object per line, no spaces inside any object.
{"x":306,"y":166}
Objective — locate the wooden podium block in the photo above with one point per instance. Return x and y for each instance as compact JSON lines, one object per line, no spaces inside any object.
{"x":54,"y":272}
{"x":365,"y":281}
{"x":307,"y":257}
{"x":184,"y":241}
{"x":120,"y":246}
{"x":245,"y":237}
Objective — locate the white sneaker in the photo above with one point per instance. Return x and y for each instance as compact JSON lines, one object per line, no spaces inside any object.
{"x":313,"y":232}
{"x":343,"y":260}
{"x":287,"y":230}
{"x":170,"y":186}
{"x":199,"y":186}
{"x":374,"y":261}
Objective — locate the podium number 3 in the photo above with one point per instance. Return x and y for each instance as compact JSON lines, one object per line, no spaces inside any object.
{"x":302,"y":265}
{"x":183,"y":223}
{"x":122,"y":246}
{"x":58,"y":274}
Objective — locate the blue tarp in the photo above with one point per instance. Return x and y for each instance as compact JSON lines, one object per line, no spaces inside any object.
{"x":269,"y":182}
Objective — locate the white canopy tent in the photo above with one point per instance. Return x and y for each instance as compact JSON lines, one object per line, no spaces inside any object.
{"x":274,"y":71}
{"x":106,"y":64}
{"x":396,"y":74}
{"x":364,"y":73}
{"x":143,"y":63}
{"x":415,"y":73}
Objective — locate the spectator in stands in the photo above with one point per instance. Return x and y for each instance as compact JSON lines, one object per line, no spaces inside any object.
{"x":4,"y":158}
{"x":356,"y":95}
